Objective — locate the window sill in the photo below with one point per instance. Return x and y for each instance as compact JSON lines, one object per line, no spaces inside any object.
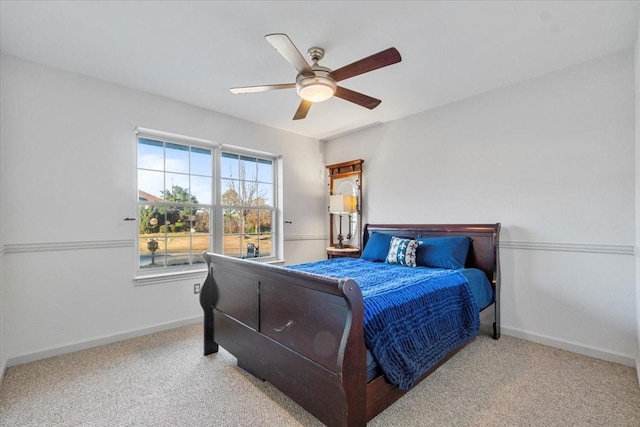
{"x":152,"y":279}
{"x":199,"y":274}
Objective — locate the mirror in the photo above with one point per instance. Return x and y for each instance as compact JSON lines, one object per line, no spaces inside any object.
{"x":346,"y":224}
{"x":345,"y":213}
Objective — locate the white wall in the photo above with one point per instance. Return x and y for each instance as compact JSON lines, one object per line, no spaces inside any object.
{"x":68,"y":180}
{"x":552,"y":159}
{"x":637,"y":195}
{"x":3,"y":356}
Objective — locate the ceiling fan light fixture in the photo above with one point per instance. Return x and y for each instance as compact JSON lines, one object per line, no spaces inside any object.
{"x":315,"y":88}
{"x":316,"y":83}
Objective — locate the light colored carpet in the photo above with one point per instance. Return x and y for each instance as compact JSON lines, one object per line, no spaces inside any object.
{"x":163,"y":380}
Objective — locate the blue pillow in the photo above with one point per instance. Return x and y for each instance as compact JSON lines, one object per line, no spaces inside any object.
{"x":377,"y":247}
{"x":443,"y":252}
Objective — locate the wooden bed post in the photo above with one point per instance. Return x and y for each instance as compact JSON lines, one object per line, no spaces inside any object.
{"x":353,"y":367}
{"x":496,"y":280}
{"x":208,"y":299}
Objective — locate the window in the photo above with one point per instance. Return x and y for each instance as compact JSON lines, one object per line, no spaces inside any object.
{"x":187,"y":206}
{"x":248,"y":206}
{"x":175,"y":191}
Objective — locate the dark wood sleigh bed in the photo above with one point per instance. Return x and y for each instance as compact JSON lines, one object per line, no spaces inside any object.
{"x":304,"y":333}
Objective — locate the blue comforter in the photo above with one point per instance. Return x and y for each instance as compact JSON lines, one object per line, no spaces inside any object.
{"x":412,"y":316}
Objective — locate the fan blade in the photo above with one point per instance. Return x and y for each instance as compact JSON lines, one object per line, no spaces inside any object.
{"x":370,"y":63}
{"x":303,"y":109}
{"x":264,"y":88}
{"x":286,"y":48}
{"x":357,"y":98}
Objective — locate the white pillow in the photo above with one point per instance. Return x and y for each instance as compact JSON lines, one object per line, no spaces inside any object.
{"x":402,"y":251}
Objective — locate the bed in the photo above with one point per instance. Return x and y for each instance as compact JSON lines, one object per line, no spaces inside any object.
{"x":305,"y":331}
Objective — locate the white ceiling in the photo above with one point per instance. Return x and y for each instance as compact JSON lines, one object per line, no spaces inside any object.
{"x":194,"y":51}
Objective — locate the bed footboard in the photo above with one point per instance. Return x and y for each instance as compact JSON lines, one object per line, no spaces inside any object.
{"x":302,"y":333}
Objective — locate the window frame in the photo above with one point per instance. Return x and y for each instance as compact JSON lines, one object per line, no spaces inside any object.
{"x":144,"y":276}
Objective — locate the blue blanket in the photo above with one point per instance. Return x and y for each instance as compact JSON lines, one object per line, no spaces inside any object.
{"x":412,"y":316}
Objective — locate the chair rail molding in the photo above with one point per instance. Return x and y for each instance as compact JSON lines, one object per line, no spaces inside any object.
{"x":15,"y":248}
{"x":294,"y":237}
{"x":569,"y":247}
{"x":11,"y":248}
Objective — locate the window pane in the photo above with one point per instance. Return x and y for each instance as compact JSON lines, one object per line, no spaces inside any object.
{"x":186,"y":235}
{"x":265,"y":170}
{"x":233,"y":236}
{"x":152,"y":253}
{"x":150,"y":238}
{"x":248,"y":168}
{"x":199,"y":244}
{"x":201,"y":161}
{"x":151,"y":218}
{"x":178,"y":249}
{"x":230,"y":192}
{"x":177,"y":158}
{"x":201,"y":189}
{"x":242,"y":193}
{"x":265,"y":221}
{"x":232,"y":221}
{"x":229,"y":166}
{"x":150,"y":154}
{"x":201,"y":222}
{"x":251,"y":247}
{"x":265,"y":231}
{"x":265,"y":245}
{"x":232,"y":245}
{"x":265,"y":192}
{"x":259,"y":238}
{"x":177,"y":188}
{"x":176,"y":219}
{"x":150,"y":186}
{"x":250,"y":217}
{"x":248,"y":233}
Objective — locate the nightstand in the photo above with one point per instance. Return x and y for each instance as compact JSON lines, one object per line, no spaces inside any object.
{"x":333,"y":252}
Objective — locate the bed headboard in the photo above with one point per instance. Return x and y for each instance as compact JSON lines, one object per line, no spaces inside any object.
{"x":483,"y":252}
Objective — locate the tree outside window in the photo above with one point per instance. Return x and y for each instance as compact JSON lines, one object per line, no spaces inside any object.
{"x":248,"y":206}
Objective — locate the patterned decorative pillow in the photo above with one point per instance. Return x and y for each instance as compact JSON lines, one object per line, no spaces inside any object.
{"x":402,"y":251}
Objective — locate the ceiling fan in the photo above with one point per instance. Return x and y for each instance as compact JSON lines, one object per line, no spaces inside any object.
{"x":316,"y":83}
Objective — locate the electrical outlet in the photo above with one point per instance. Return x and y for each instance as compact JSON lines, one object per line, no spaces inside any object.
{"x":196,"y":288}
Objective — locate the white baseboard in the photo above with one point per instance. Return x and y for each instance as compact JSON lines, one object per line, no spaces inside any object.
{"x":638,"y":370}
{"x":107,"y":339}
{"x":572,"y":347}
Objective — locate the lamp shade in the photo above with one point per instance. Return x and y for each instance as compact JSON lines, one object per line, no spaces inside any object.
{"x":316,"y":88}
{"x":342,"y":204}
